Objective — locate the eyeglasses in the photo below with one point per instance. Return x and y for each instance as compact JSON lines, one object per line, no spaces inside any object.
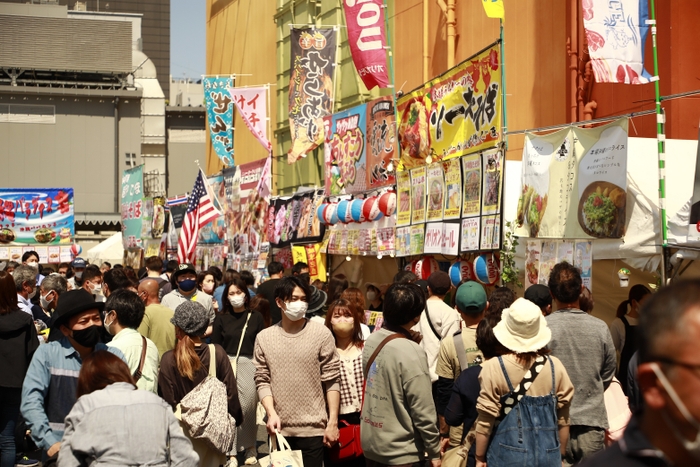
{"x":690,"y":366}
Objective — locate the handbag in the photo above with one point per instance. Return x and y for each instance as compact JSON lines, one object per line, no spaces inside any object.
{"x":204,"y":411}
{"x":456,"y":457}
{"x":281,"y":454}
{"x":618,"y":409}
{"x":234,"y":362}
{"x":349,"y":444}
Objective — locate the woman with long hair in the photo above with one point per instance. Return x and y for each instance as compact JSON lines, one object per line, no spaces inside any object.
{"x":336,"y":286}
{"x":113,"y":423}
{"x":520,"y":415}
{"x":357,"y":300}
{"x":623,"y":329}
{"x":262,"y":306}
{"x":183,"y":368}
{"x":343,"y":321}
{"x":18,"y":341}
{"x":235,"y":329}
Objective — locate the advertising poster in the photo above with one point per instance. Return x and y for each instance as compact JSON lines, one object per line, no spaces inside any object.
{"x":353,"y":244}
{"x":403,"y":241}
{"x":215,"y":231}
{"x":348,"y":152}
{"x":583,"y":259}
{"x":456,"y":113}
{"x":367,"y":40}
{"x":471,"y":233}
{"x":43,"y":216}
{"x":365,"y":241}
{"x":403,"y":210}
{"x":533,"y":251}
{"x":418,"y":195}
{"x":385,"y":241}
{"x":433,"y":238}
{"x":293,"y":220}
{"x":493,"y":181}
{"x":381,"y":142}
{"x":565,"y":251}
{"x":490,"y":232}
{"x":575,"y":183}
{"x":471,"y":175}
{"x":132,"y":207}
{"x":453,"y":189}
{"x":220,"y":116}
{"x":436,"y":192}
{"x":417,"y":239}
{"x":310,"y":87}
{"x":450,"y":239}
{"x":548,"y":259}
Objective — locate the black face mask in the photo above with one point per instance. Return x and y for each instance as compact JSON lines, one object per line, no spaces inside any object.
{"x":88,"y":337}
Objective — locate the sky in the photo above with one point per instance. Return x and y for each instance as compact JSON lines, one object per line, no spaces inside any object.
{"x":187,"y":38}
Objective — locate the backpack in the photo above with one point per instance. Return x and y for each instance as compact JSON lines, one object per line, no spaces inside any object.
{"x":204,"y":411}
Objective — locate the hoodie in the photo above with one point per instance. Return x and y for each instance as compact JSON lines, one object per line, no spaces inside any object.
{"x":18,"y":341}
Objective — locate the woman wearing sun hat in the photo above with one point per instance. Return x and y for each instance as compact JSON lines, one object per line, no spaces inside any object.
{"x":525,"y":395}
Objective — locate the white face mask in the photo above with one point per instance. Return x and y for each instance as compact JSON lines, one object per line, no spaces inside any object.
{"x":237,"y":301}
{"x":78,"y":274}
{"x":45,"y":302}
{"x":97,"y":289}
{"x":295,"y":310}
{"x":693,"y":447}
{"x":33,"y":264}
{"x":107,"y":326}
{"x":371,"y":295}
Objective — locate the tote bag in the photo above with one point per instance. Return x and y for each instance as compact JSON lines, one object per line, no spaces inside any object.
{"x":281,"y":454}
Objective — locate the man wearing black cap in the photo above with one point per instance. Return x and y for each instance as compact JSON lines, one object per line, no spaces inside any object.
{"x":540,"y":295}
{"x":184,"y":282}
{"x":49,"y":389}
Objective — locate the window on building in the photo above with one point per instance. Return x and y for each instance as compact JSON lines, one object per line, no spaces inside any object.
{"x":130,"y":159}
{"x":22,"y":113}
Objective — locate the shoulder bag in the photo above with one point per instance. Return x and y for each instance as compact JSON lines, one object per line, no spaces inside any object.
{"x":204,"y":411}
{"x":138,"y":373}
{"x":234,"y":362}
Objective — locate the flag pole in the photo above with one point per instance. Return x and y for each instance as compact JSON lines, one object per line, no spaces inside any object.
{"x":661,"y":144}
{"x":393,"y":78}
{"x":504,"y":128}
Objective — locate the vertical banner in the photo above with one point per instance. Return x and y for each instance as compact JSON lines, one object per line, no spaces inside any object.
{"x":220,"y":116}
{"x":436,"y":192}
{"x":575,"y":183}
{"x":310,"y":87}
{"x":132,"y":207}
{"x":348,"y":151}
{"x":418,"y":183}
{"x":458,"y":112}
{"x":367,"y":39}
{"x":36,"y":216}
{"x":453,"y":189}
{"x":381,"y":142}
{"x":252,"y":105}
{"x":616,"y":32}
{"x":214,"y":232}
{"x":403,"y":210}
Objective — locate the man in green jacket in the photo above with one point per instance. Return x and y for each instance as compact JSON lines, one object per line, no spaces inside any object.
{"x":398,"y":420}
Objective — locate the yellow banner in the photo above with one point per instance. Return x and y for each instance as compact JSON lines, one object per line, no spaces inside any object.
{"x":494,"y":8}
{"x":458,"y":112}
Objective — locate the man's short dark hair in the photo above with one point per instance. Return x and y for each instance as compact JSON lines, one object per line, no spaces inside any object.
{"x":107,"y":263}
{"x":405,"y":277}
{"x":116,"y":279}
{"x":499,"y":300}
{"x":565,"y":283}
{"x":285,"y":288}
{"x":29,"y":254}
{"x":154,"y":263}
{"x":171,"y":266}
{"x":275,"y":267}
{"x":118,"y":266}
{"x":248,"y":278}
{"x":662,"y":318}
{"x":297,"y":268}
{"x":216,"y":272}
{"x":402,"y":303}
{"x":91,"y":271}
{"x":129,"y":307}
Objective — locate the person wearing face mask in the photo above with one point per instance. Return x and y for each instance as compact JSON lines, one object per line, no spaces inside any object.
{"x":92,"y":282}
{"x":25,"y":282}
{"x":206,"y":283}
{"x":666,"y":432}
{"x":49,"y":291}
{"x":31,"y":258}
{"x":184,"y":281}
{"x":399,"y":417}
{"x":375,"y":301}
{"x":343,"y":319}
{"x":49,"y":389}
{"x":298,"y":375}
{"x":123,"y":314}
{"x":236,"y":330}
{"x":77,"y":268}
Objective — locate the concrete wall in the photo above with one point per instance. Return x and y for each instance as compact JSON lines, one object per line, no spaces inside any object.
{"x":187,"y":138}
{"x":76,"y":151}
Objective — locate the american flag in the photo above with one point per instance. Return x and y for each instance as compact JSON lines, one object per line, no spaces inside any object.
{"x":200,"y":211}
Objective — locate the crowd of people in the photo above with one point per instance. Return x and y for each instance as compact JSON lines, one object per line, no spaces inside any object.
{"x":171,"y":365}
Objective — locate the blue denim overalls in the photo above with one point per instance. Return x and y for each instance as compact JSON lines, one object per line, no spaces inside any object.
{"x":528,"y":435}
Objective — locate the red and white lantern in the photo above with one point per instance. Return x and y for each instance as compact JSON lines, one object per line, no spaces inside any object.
{"x":387,"y":203}
{"x":425,"y":267}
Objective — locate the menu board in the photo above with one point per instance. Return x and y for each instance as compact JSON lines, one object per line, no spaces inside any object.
{"x":436,"y":192}
{"x":418,"y":182}
{"x":453,"y":189}
{"x":403,"y":210}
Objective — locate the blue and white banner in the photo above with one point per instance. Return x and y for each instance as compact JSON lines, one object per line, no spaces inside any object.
{"x":220,"y":116}
{"x":37,"y":216}
{"x":616,"y":32}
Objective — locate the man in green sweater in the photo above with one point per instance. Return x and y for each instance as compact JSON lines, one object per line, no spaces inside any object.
{"x":398,"y":419}
{"x":297,"y":374}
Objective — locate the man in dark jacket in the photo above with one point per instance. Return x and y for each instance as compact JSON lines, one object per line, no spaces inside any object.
{"x":667,"y":431}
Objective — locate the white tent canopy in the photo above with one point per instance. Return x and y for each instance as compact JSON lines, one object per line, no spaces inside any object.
{"x":641,"y":245}
{"x":110,"y":250}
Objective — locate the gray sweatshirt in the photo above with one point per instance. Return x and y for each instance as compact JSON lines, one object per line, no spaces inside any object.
{"x":119,"y":425}
{"x":398,"y":420}
{"x":584,"y":345}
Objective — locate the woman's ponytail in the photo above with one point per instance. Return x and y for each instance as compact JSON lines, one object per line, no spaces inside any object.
{"x":186,"y":358}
